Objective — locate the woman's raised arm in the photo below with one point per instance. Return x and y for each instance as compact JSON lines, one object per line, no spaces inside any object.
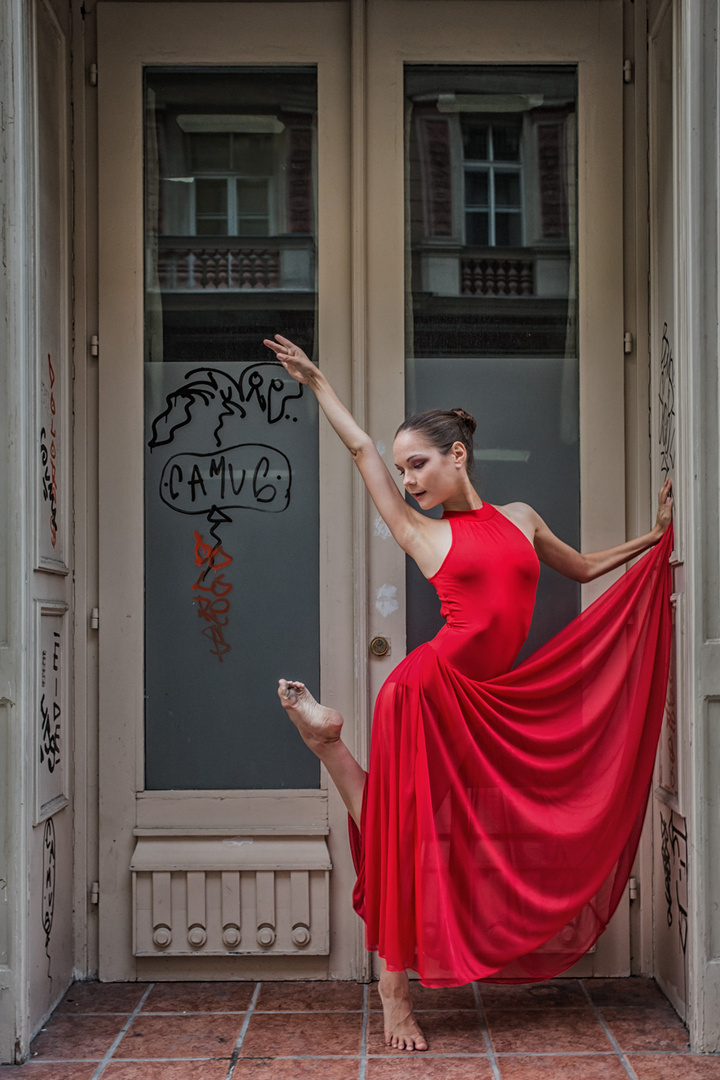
{"x":586,"y":567}
{"x":401,"y":519}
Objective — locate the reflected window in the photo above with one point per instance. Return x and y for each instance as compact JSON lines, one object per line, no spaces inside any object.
{"x":230,"y":209}
{"x":493,"y":183}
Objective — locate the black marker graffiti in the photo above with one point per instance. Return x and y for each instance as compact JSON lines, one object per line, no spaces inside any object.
{"x":48,"y":458}
{"x":48,"y":879}
{"x":49,"y":734}
{"x":265,"y":384}
{"x":673,"y":849}
{"x":667,"y":867}
{"x":250,"y":476}
{"x":679,"y":846}
{"x":244,"y":476}
{"x":666,"y":396}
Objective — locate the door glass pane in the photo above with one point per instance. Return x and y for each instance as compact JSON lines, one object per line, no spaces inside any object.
{"x":231,"y":463}
{"x":491,"y":276}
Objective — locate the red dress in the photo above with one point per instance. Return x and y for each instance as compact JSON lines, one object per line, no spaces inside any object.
{"x":503,"y":806}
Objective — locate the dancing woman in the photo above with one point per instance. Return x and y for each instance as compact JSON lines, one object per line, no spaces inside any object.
{"x":496,"y":828}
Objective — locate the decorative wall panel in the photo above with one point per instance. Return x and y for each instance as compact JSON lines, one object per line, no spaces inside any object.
{"x":230,"y":895}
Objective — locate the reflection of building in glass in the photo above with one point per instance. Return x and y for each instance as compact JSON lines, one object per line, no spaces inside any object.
{"x":492,"y":188}
{"x":230,"y":214}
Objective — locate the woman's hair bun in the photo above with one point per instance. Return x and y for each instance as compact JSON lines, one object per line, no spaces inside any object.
{"x":466,"y":418}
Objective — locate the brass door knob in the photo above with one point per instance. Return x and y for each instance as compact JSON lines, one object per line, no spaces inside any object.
{"x":379,"y":646}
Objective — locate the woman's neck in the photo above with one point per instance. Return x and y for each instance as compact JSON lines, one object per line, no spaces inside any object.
{"x":465,"y":499}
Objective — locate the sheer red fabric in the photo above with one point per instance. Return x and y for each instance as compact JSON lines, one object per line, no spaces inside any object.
{"x":503,"y":806}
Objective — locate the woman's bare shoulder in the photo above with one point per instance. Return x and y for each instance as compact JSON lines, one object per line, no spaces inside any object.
{"x":519,"y":510}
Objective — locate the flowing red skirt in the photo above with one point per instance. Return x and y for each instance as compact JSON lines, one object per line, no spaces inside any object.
{"x":501,"y":818}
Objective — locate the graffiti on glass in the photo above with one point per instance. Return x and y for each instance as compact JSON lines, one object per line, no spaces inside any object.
{"x":212,"y":593}
{"x":217,"y":482}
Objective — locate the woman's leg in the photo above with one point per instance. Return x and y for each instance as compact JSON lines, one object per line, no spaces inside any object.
{"x":401,"y":1030}
{"x":320,"y":728}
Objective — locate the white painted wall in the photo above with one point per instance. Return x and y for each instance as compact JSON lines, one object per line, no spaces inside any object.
{"x":36,"y":826}
{"x":699,"y":407}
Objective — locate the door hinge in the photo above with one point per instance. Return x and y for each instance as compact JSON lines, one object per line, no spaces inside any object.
{"x":93,"y":74}
{"x":95,"y":346}
{"x":95,"y":619}
{"x":95,"y":892}
{"x":633,"y":888}
{"x":628,"y":73}
{"x":628,"y":342}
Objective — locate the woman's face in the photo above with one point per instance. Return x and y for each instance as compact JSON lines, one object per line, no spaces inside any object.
{"x":428,"y":475}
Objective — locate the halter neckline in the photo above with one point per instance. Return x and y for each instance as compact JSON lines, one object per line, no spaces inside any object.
{"x":480,"y":513}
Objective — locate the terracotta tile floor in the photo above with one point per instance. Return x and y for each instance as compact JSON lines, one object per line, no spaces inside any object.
{"x":569,"y":1029}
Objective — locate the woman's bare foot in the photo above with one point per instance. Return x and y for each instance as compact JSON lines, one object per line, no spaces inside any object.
{"x":319,"y":726}
{"x":401,"y":1030}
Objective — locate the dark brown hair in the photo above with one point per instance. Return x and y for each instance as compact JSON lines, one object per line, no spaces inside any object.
{"x":442,"y":428}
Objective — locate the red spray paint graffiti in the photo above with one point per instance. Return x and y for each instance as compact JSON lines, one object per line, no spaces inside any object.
{"x":212,"y":593}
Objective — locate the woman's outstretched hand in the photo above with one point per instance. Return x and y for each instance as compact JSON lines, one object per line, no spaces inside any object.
{"x":292,"y":358}
{"x":665,"y":505}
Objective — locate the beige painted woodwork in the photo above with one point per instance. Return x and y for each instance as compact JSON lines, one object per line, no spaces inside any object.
{"x":229,"y":895}
{"x":237,"y":918}
{"x":668,"y":805}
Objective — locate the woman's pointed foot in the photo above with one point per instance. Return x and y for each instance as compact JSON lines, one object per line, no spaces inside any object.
{"x":319,"y":726}
{"x":401,"y":1029}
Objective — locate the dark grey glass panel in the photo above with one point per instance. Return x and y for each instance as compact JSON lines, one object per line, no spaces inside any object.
{"x":231,"y":461}
{"x":491,"y":180}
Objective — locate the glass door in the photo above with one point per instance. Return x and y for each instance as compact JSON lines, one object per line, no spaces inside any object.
{"x":495,"y":279}
{"x":223,"y":219}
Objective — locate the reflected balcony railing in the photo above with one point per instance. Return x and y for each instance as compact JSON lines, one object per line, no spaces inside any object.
{"x":211,"y":264}
{"x":485,"y":273}
{"x":456,"y":270}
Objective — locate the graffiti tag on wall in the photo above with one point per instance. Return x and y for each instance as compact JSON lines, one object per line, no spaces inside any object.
{"x":51,"y":541}
{"x":674,"y":851}
{"x":51,"y":740}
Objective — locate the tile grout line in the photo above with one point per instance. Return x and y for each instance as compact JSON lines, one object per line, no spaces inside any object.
{"x":364,"y":1032}
{"x":613,"y":1041}
{"x":485,"y":1033}
{"x":118,"y":1038}
{"x":243,"y":1031}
